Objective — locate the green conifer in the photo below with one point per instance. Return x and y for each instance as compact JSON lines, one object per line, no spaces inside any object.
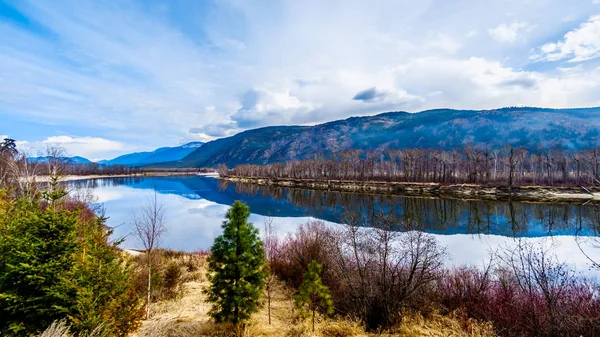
{"x":57,"y":264}
{"x":313,"y":294}
{"x":36,"y":249}
{"x":236,"y":269}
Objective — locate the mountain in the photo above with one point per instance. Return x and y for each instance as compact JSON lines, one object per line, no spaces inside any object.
{"x":72,"y":160}
{"x":163,"y":154}
{"x":531,"y":128}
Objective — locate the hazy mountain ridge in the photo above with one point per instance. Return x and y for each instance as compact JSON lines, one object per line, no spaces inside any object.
{"x":71,"y":160}
{"x":531,"y":128}
{"x":163,"y":154}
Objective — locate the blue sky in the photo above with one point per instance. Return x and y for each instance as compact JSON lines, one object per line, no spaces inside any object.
{"x":103,"y":78}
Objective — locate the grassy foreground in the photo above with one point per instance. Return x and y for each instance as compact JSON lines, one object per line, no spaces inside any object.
{"x":187,"y":315}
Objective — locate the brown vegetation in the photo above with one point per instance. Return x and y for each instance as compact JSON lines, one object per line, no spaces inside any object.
{"x":377,"y":276}
{"x":472,"y":165}
{"x":187,"y":313}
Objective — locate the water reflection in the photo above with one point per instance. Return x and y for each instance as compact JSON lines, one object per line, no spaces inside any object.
{"x":196,"y":207}
{"x":434,"y":215}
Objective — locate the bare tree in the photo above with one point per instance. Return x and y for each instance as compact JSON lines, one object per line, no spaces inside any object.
{"x":149,"y":225}
{"x":270,"y":243}
{"x":382,"y":270}
{"x":543,"y":280}
{"x":593,"y":242}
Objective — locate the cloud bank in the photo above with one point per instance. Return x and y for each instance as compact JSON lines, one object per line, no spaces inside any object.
{"x":133,"y":75}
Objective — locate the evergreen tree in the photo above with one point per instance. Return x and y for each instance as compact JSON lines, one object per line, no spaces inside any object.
{"x":236,"y":268}
{"x":313,"y":293}
{"x":36,"y":249}
{"x":105,"y":285}
{"x":56,"y":263}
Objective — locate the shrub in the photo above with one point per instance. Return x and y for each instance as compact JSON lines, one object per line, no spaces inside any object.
{"x":171,"y":280}
{"x":372,"y":273}
{"x":312,"y":241}
{"x":529,"y":293}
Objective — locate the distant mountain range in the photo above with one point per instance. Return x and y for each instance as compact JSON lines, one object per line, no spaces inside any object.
{"x":163,"y":154}
{"x":72,"y":160}
{"x":531,"y":128}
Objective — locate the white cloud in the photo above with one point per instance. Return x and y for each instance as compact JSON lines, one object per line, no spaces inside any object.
{"x":580,"y":44}
{"x":89,"y":147}
{"x":507,"y":33}
{"x":182,"y":74}
{"x":445,"y":43}
{"x":488,"y":84}
{"x":267,"y":105}
{"x":93,"y":148}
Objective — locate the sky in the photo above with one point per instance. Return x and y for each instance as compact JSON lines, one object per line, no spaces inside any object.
{"x":104,"y":78}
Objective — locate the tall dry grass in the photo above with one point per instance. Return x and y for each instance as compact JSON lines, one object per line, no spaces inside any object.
{"x":186,"y":315}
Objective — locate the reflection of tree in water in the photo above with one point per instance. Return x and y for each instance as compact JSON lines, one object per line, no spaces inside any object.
{"x":104,"y":182}
{"x":442,"y":215}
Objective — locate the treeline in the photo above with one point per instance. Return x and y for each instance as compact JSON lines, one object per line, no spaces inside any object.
{"x":80,"y":169}
{"x":508,"y":166}
{"x":438,"y":214}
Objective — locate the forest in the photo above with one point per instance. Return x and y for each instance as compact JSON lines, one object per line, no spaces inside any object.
{"x":508,"y":166}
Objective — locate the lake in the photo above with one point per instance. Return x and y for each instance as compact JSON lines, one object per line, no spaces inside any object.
{"x":196,"y":206}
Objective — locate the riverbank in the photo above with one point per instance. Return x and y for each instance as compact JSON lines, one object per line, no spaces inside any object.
{"x":460,"y":191}
{"x":43,"y":179}
{"x":186,"y":314}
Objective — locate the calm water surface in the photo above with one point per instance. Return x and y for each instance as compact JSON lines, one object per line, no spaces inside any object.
{"x":195,"y":209}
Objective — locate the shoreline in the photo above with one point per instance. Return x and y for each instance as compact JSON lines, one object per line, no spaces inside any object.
{"x":454,"y":191}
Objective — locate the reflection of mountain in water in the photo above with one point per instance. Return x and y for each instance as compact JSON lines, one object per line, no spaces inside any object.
{"x":440,"y":216}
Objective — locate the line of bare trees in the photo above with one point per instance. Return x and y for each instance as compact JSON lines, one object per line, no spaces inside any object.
{"x":477,"y":165}
{"x":70,"y":168}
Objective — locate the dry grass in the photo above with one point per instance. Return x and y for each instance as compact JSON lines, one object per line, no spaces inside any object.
{"x":187,"y":316}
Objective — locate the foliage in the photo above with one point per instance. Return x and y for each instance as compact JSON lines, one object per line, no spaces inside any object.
{"x":8,"y":146}
{"x":56,"y":263}
{"x":313,"y":294}
{"x":105,"y":288}
{"x":36,"y":264}
{"x":528,"y":293}
{"x":171,"y":280}
{"x":236,"y":268}
{"x":372,"y":272}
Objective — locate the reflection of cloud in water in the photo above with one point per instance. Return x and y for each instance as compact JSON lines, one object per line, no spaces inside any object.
{"x":104,"y":195}
{"x":201,"y":206}
{"x":475,"y":249}
{"x":194,"y":223}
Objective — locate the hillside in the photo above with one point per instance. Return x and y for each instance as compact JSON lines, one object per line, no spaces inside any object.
{"x":163,"y":154}
{"x":531,"y":128}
